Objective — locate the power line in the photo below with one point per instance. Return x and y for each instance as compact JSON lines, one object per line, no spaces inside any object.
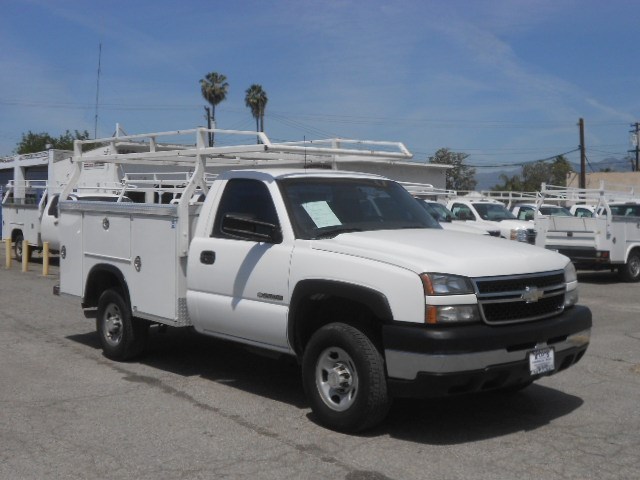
{"x":520,"y":164}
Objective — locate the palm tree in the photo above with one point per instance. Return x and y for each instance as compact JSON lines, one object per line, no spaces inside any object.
{"x":214,"y":88}
{"x":256,"y":99}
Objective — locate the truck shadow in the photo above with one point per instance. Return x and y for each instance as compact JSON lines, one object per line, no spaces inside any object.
{"x":476,"y":417}
{"x":183,"y":352}
{"x":435,"y":422}
{"x":598,"y":277}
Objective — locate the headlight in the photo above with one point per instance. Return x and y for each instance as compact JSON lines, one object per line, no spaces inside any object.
{"x":519,"y":234}
{"x":571,"y":280}
{"x":463,"y":310}
{"x":570,"y":274}
{"x":449,"y":314}
{"x":441,"y":284}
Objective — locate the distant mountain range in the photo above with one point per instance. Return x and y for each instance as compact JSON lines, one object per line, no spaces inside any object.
{"x":487,"y":180}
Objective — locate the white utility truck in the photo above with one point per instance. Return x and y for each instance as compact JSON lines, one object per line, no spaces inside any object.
{"x":611,"y":239}
{"x":29,"y":207}
{"x":344,"y":271}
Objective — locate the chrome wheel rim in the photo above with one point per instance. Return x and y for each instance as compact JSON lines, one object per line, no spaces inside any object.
{"x":634,"y":266}
{"x":112,"y":328}
{"x":336,"y":379}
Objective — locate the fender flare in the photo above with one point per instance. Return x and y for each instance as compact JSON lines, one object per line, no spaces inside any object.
{"x":376,"y":301}
{"x":92,"y":292}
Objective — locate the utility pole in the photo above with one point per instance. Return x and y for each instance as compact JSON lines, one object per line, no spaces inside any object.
{"x":95,"y":124}
{"x":208,"y":110}
{"x":636,"y":141}
{"x":583,"y":156}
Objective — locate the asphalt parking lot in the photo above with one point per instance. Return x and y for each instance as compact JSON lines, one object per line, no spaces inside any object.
{"x":197,"y":408}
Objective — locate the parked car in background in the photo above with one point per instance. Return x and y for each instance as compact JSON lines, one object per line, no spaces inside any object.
{"x":491,"y":215}
{"x":527,"y":211}
{"x":445,"y":218}
{"x":582,"y":210}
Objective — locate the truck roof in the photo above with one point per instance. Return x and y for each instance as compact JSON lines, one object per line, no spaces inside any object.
{"x":282,"y":173}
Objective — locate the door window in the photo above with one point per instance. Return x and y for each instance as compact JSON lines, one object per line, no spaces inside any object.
{"x":249,"y":199}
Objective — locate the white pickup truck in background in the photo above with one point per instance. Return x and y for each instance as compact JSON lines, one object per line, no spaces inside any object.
{"x":343,"y":271}
{"x":610,"y":239}
{"x":493,"y":216}
{"x":29,"y":207}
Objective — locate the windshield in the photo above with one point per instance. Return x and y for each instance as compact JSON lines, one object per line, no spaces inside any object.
{"x":326,"y":207}
{"x":437,"y":211}
{"x":555,"y":211}
{"x":493,"y":211}
{"x":627,"y":210}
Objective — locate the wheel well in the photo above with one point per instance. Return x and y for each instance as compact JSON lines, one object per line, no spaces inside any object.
{"x":100,"y":279}
{"x":635,"y":249}
{"x":14,"y":234}
{"x":318,"y":303}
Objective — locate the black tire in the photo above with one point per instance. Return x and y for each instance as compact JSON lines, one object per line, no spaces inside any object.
{"x":344,"y":379}
{"x":17,"y":248}
{"x":122,"y":336}
{"x":630,"y":271}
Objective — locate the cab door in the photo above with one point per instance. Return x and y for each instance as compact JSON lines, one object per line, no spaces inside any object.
{"x":49,"y":223}
{"x":238,"y":285}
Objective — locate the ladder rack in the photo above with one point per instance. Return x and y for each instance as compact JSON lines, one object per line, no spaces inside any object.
{"x":423,"y":190}
{"x":149,"y":150}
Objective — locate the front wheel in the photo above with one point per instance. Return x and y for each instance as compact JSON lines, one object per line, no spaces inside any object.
{"x":344,"y":379}
{"x":122,"y":337}
{"x":630,"y":271}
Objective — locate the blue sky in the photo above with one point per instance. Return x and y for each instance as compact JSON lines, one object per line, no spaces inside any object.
{"x":503,"y":81}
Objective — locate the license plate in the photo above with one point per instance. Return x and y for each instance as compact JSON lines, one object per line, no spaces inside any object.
{"x":541,"y":361}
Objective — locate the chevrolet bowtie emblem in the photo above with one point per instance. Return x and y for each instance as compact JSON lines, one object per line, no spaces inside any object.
{"x":532,"y":294}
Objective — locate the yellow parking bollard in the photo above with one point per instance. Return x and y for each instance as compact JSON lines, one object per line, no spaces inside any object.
{"x":7,"y":252}
{"x":45,"y":259}
{"x":25,"y":256}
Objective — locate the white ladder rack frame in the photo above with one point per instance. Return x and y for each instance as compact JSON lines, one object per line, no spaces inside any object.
{"x":200,"y":155}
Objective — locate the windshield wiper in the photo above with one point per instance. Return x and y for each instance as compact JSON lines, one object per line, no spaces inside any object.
{"x":334,"y":232}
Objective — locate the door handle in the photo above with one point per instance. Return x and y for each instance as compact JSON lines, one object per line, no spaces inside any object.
{"x":207,"y":257}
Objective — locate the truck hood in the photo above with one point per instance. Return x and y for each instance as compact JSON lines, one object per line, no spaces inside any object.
{"x":440,"y":251}
{"x":515,"y":223}
{"x":503,"y":224}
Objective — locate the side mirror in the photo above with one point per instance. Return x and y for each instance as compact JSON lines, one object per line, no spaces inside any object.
{"x":244,"y":228}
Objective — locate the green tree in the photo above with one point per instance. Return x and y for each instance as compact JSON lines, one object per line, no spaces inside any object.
{"x":461,"y":176}
{"x":534,"y":174}
{"x":214,"y":89}
{"x":256,"y":99}
{"x":37,"y":142}
{"x":560,"y":168}
{"x":511,"y":184}
{"x":554,"y":173}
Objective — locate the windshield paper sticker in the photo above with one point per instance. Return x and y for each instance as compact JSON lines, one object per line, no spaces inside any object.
{"x":321,"y":214}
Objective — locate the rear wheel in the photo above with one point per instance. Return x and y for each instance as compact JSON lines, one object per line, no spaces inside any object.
{"x":122,"y":336}
{"x":630,"y":271}
{"x":344,"y":378}
{"x":18,"y":250}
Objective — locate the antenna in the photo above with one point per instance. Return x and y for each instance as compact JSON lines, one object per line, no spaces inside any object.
{"x":95,"y":125}
{"x":304,"y":137}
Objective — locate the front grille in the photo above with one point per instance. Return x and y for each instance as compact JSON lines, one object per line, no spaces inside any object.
{"x":531,"y":236}
{"x":520,"y":298}
{"x":488,"y":285}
